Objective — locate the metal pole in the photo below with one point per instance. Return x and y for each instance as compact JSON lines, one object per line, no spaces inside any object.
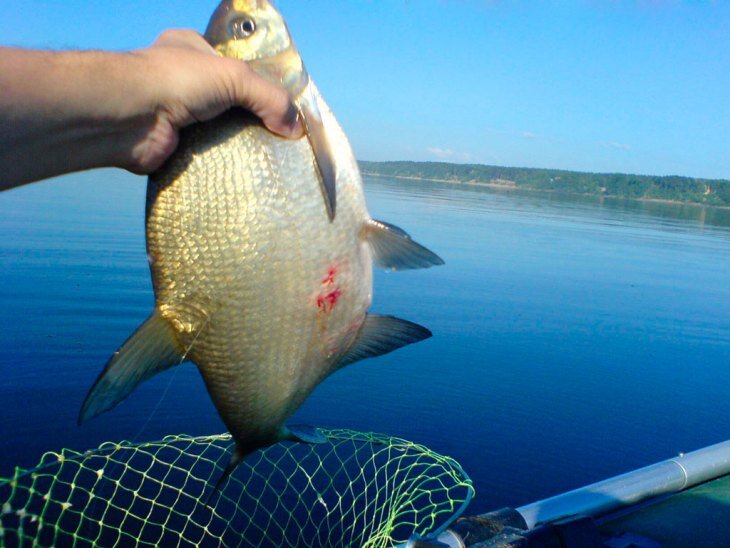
{"x":663,"y":478}
{"x":669,"y":476}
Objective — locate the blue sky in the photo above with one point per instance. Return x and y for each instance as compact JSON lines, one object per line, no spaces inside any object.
{"x":640,"y":86}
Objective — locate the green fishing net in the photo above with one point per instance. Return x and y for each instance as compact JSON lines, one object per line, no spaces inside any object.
{"x":355,"y":490}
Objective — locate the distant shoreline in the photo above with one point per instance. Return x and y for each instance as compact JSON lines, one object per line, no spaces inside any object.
{"x":511,"y":185}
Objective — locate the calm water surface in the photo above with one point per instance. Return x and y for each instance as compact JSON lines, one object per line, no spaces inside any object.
{"x":574,"y":338}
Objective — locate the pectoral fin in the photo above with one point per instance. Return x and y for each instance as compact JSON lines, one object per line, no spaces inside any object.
{"x":380,"y":335}
{"x":323,"y":154}
{"x":393,"y":248}
{"x":151,"y":349}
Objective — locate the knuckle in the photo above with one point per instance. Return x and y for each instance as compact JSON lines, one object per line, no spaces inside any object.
{"x":177,"y":36}
{"x":239,"y":78}
{"x":248,"y":89}
{"x":167,"y":35}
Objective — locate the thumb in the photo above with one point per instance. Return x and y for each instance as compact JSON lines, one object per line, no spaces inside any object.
{"x":266,"y":100}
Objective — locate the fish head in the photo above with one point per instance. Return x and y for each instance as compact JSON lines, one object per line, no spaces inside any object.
{"x":255,"y":32}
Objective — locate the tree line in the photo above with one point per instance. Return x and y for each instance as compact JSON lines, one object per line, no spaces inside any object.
{"x":711,"y":192}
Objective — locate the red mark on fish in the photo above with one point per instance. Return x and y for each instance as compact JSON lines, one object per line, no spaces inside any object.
{"x":329,"y":279}
{"x":327,"y":301}
{"x":329,"y":293}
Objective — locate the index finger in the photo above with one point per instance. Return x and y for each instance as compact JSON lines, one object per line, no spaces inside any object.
{"x":268,"y":101}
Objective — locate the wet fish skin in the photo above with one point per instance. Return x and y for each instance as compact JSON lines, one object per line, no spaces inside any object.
{"x":262,"y":270}
{"x":263,"y":282}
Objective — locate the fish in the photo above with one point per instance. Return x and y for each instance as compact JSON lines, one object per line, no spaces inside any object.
{"x":261,"y":252}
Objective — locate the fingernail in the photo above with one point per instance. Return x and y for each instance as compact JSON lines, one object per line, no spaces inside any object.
{"x":297,"y":129}
{"x":294,"y":122}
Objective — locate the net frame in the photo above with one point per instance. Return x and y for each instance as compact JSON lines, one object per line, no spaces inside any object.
{"x":358,"y":489}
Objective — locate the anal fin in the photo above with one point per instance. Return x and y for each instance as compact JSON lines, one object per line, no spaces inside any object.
{"x":380,"y":335}
{"x":152,"y":348}
{"x":394,"y":249}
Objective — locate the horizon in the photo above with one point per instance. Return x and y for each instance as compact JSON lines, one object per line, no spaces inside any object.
{"x":622,"y":87}
{"x":711,"y":179}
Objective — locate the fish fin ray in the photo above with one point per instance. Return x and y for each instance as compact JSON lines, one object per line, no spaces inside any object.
{"x":323,"y":155}
{"x":394,"y":249}
{"x":152,"y":348}
{"x":302,"y":433}
{"x":380,"y":335}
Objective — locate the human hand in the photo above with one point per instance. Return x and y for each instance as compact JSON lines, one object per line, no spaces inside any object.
{"x":67,"y":111}
{"x":189,"y":82}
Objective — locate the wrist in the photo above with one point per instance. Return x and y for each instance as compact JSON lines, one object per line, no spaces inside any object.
{"x":118,"y":112}
{"x":67,"y":111}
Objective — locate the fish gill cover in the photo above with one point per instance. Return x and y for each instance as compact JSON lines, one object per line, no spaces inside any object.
{"x":357,"y":489}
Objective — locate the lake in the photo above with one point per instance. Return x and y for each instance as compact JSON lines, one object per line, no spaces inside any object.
{"x":574,"y":338}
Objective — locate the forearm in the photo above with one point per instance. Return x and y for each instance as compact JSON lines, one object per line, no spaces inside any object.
{"x":66,"y":111}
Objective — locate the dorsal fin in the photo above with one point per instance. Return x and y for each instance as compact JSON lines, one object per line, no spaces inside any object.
{"x":394,"y":249}
{"x":380,"y":335}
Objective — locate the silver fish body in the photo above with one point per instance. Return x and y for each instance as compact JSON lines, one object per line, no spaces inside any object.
{"x":261,"y":252}
{"x":265,"y":293}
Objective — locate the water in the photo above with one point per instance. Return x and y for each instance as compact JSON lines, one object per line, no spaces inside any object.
{"x":574,"y":338}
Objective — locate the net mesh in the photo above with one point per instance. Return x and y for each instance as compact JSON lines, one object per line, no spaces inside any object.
{"x":357,"y":489}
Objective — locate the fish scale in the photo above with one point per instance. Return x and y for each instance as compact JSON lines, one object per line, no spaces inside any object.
{"x":261,"y":251}
{"x":281,"y":274}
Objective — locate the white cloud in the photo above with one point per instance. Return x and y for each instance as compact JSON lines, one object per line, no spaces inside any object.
{"x":618,"y":146}
{"x":448,"y":154}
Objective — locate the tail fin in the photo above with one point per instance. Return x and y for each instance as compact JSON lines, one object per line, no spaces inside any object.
{"x":236,"y":457}
{"x":299,"y":433}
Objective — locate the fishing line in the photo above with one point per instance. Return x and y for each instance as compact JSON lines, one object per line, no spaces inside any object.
{"x":169,"y":382}
{"x":136,"y":437}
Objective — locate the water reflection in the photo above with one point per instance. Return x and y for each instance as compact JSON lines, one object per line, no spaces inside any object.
{"x":574,"y":338}
{"x":473,"y":196}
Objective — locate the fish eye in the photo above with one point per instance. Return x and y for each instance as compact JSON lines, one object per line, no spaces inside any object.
{"x":242,"y":27}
